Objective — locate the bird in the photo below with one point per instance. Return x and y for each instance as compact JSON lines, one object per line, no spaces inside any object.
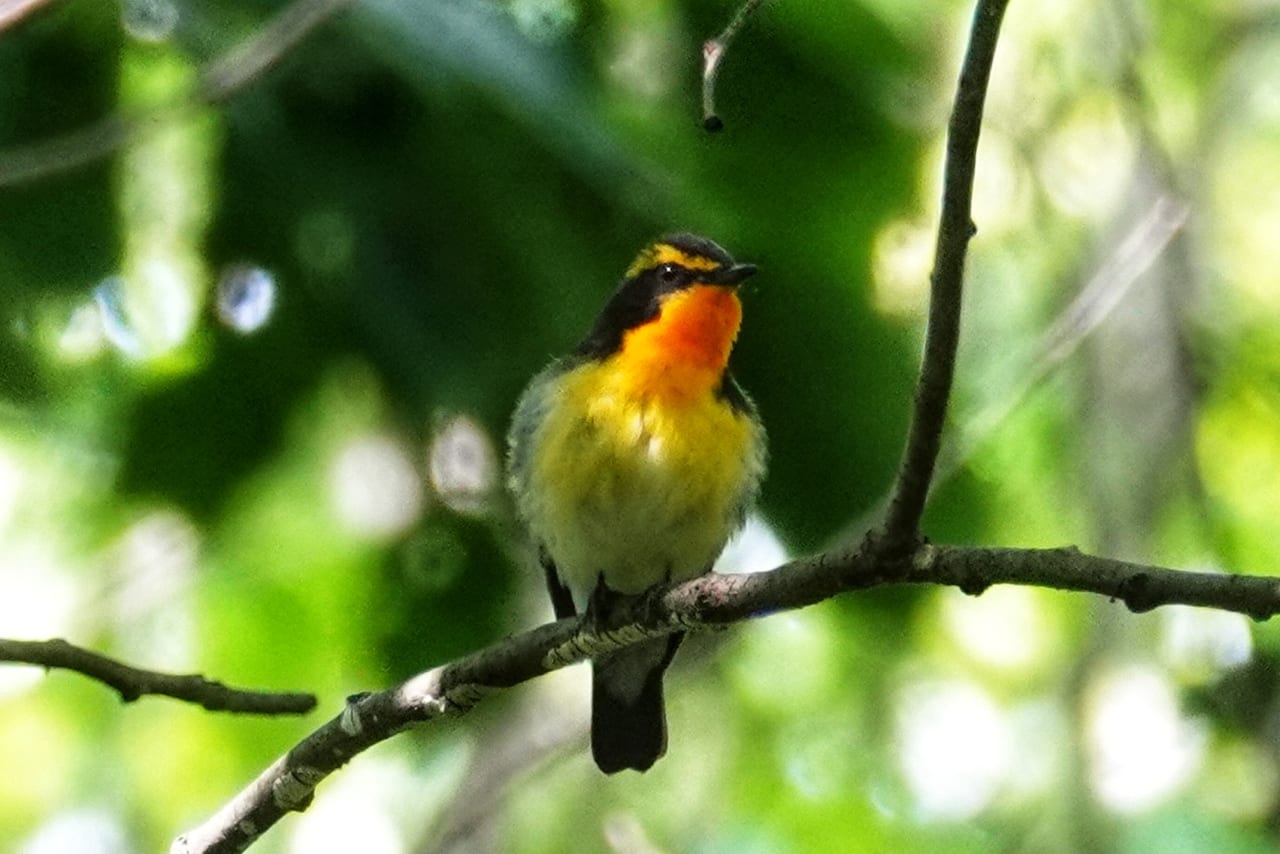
{"x":632,"y":461}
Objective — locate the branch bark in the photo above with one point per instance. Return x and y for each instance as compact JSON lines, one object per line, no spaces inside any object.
{"x":697,"y":605}
{"x":132,"y":682}
{"x":901,"y":527}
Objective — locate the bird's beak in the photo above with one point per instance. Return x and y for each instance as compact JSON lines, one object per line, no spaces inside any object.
{"x":731,"y":277}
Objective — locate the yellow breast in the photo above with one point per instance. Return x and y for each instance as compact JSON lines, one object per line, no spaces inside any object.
{"x":637,"y":472}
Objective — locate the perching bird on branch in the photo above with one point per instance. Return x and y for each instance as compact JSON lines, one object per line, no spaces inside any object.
{"x":633,"y":460}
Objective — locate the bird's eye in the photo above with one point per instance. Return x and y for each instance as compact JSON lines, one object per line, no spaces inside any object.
{"x":669,"y":273}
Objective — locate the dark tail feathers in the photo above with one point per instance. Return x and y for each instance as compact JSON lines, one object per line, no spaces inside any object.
{"x":628,"y":717}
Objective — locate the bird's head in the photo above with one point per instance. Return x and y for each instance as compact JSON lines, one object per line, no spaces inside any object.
{"x":677,"y":304}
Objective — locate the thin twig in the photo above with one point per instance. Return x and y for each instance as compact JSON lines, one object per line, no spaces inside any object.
{"x":132,"y":682}
{"x":901,"y":527}
{"x":247,"y":61}
{"x":219,"y":79}
{"x":712,"y":600}
{"x":713,"y":51}
{"x":1105,"y":290}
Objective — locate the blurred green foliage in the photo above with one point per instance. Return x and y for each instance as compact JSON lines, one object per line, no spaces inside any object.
{"x":257,"y":357}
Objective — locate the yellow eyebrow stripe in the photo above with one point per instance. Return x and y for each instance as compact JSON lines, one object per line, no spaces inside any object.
{"x":665,"y":253}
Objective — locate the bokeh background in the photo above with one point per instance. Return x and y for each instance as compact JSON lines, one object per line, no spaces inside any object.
{"x":265,"y":308}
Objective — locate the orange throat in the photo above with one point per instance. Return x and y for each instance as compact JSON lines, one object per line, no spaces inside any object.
{"x":683,"y":352}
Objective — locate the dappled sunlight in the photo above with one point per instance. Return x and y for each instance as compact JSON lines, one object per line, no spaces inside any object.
{"x":165,"y":200}
{"x":754,"y":548}
{"x":625,"y":833}
{"x":1086,"y":163}
{"x":149,"y":20}
{"x":763,"y":667}
{"x":156,"y":306}
{"x":1239,"y":780}
{"x":1198,"y":645}
{"x":87,"y":830}
{"x":345,"y":486}
{"x":903,"y":252}
{"x":1008,"y":628}
{"x":953,"y":746}
{"x":1245,"y":221}
{"x":115,"y":317}
{"x":246,"y":298}
{"x":16,"y":681}
{"x":902,"y":260}
{"x":83,"y":337}
{"x":463,"y":465}
{"x":137,"y":587}
{"x":1244,"y":187}
{"x":1142,"y":750}
{"x":374,"y":489}
{"x":1003,"y":188}
{"x":544,"y":20}
{"x":51,"y":586}
{"x":40,"y":601}
{"x":1043,"y":746}
{"x":42,"y":740}
{"x":12,"y":476}
{"x":1237,"y":446}
{"x":41,"y":594}
{"x":642,"y":56}
{"x":151,"y":570}
{"x":813,"y":751}
{"x":359,"y":811}
{"x":158,"y":554}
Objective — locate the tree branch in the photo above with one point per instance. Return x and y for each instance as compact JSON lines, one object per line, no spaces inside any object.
{"x":901,"y":527}
{"x":697,"y":605}
{"x":1105,"y":290}
{"x":219,"y":79}
{"x":132,"y":683}
{"x":713,"y":51}
{"x":1141,"y":587}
